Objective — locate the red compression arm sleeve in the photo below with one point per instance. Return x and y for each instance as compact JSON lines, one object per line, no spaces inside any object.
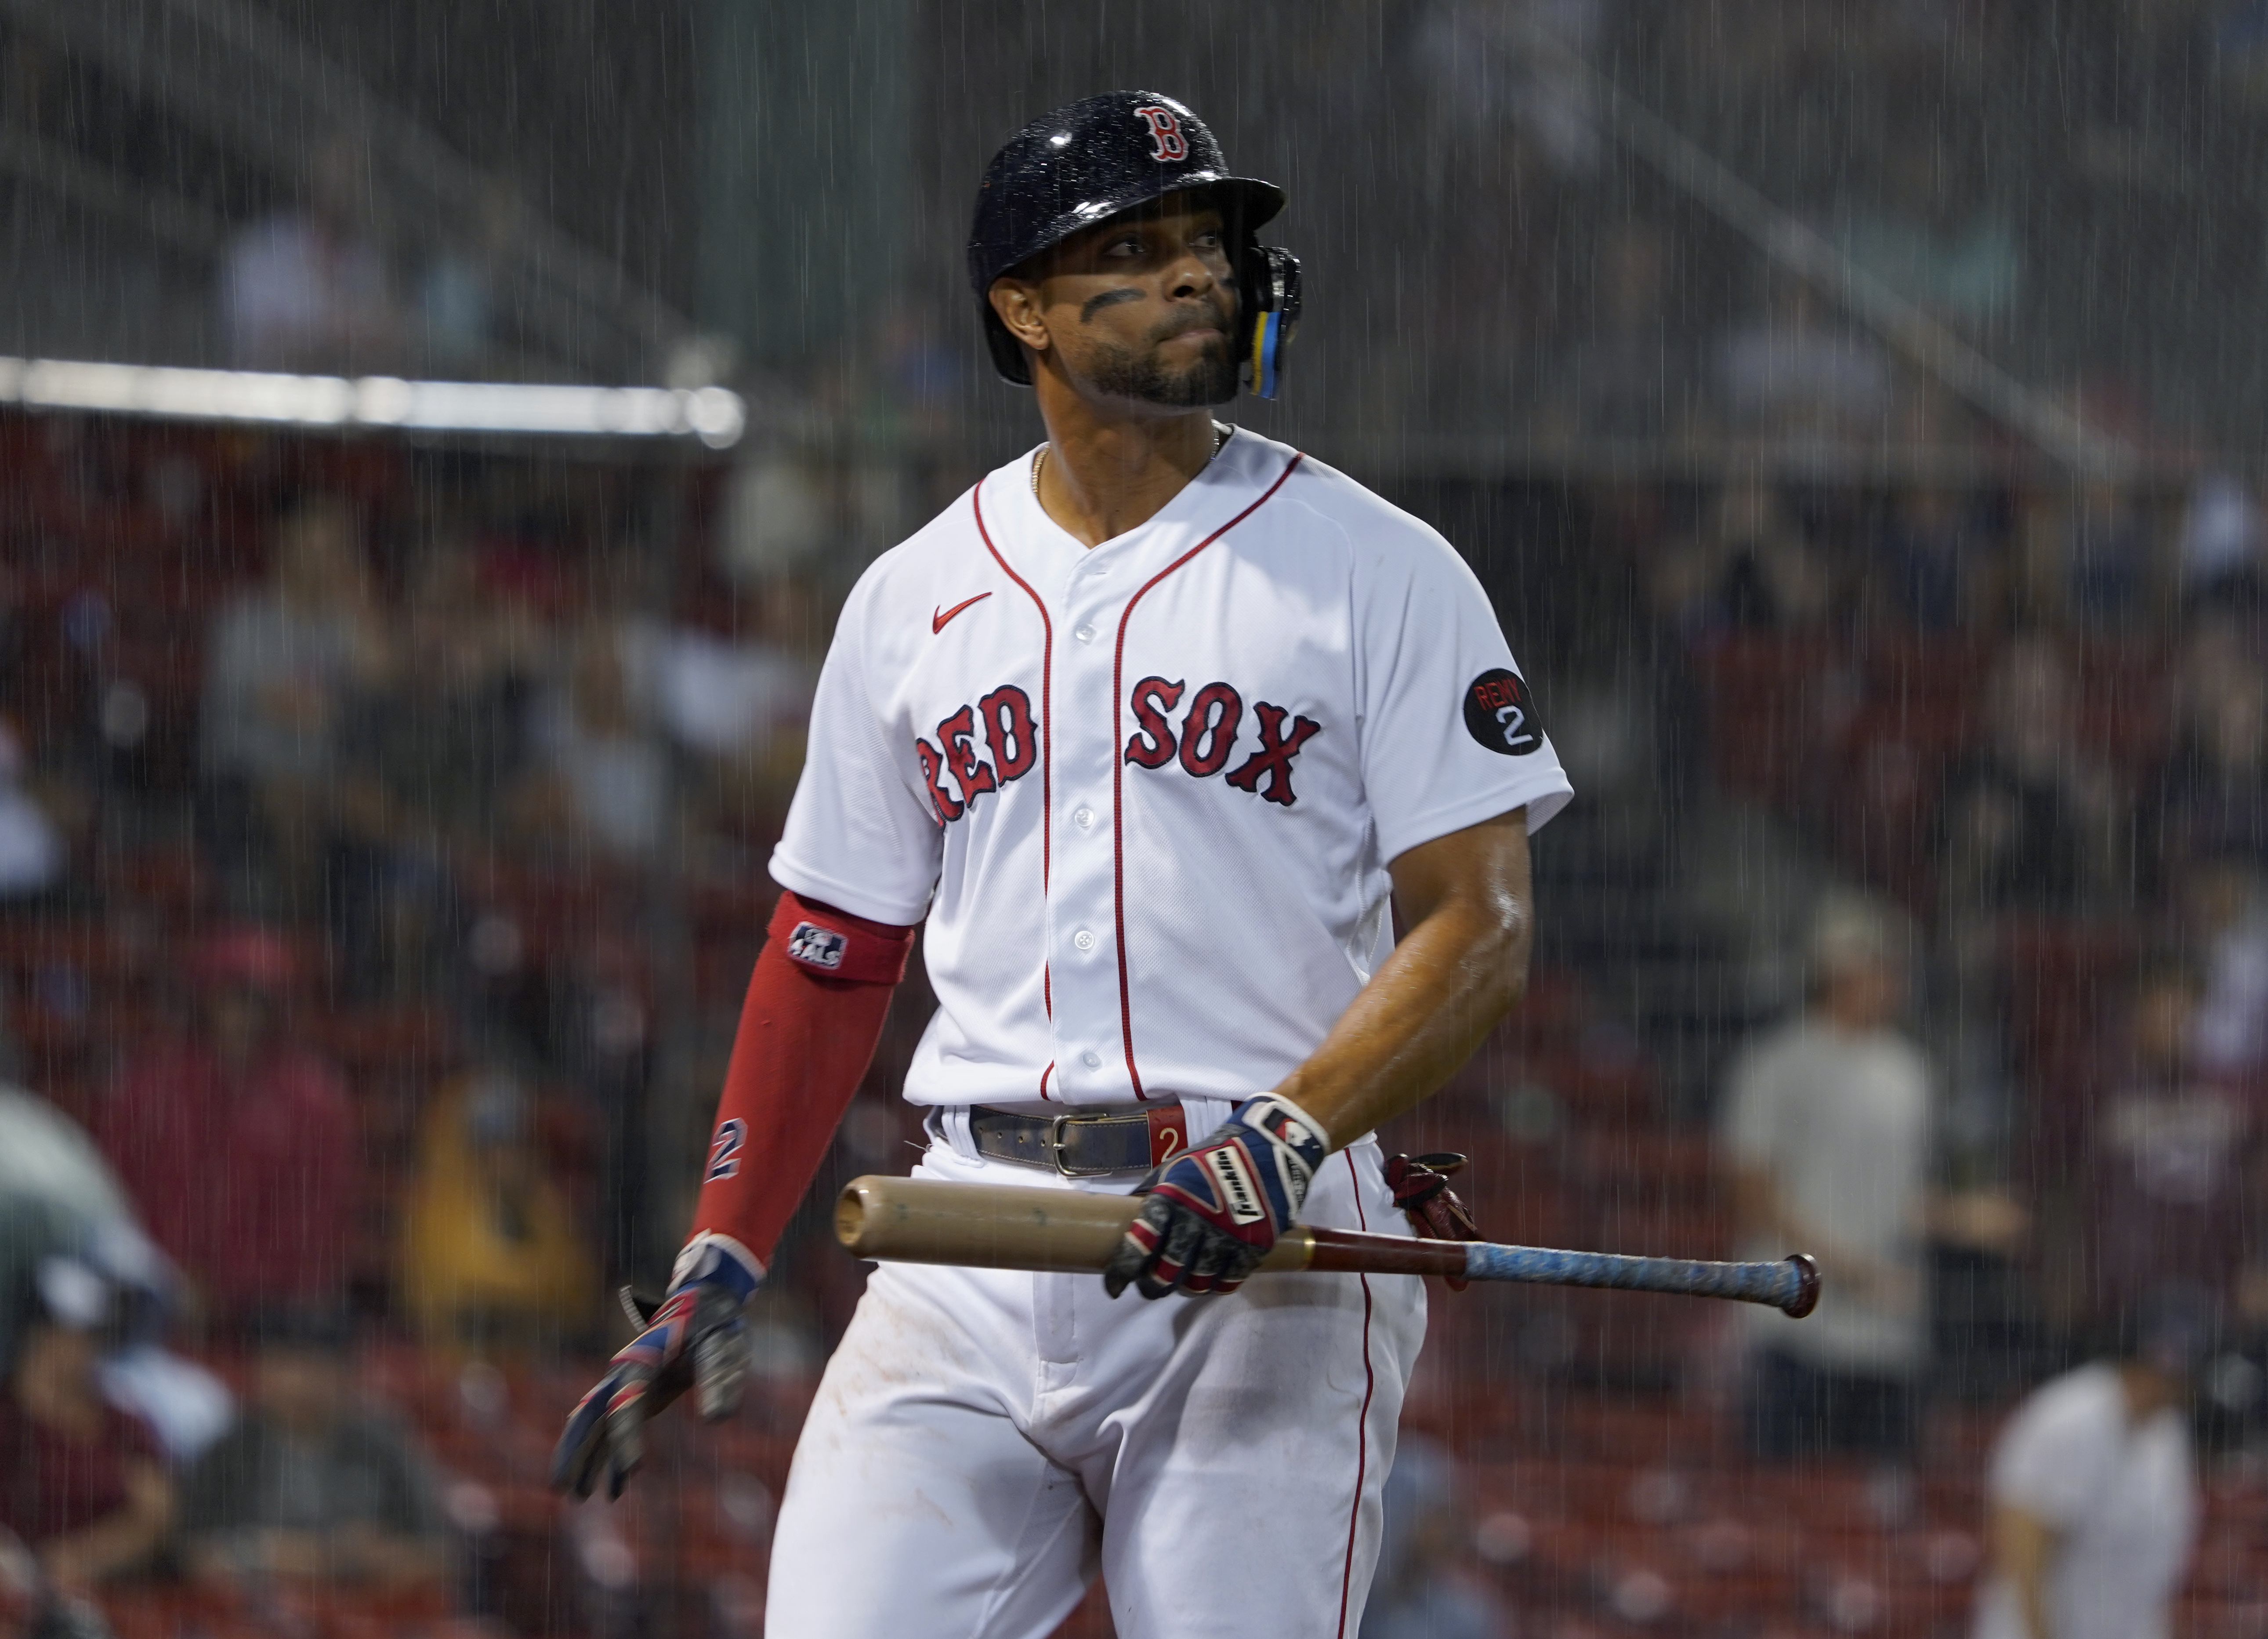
{"x":808,"y":1030}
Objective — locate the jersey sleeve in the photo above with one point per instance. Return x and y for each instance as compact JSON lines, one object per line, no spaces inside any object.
{"x":858,"y":836}
{"x":1450,"y":732}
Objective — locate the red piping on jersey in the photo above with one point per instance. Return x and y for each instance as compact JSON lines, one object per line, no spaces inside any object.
{"x":1119,"y":763}
{"x":1362,"y":1427}
{"x":1047,"y":741}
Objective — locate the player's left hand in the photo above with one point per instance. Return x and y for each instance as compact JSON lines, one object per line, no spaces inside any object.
{"x":697,"y":1338}
{"x":1420,"y":1185}
{"x":1214,"y":1211}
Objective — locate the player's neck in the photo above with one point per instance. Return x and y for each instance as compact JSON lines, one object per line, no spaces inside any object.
{"x":1101,"y":477}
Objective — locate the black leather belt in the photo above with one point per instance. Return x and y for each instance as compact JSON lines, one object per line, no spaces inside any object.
{"x":1083,"y":1145}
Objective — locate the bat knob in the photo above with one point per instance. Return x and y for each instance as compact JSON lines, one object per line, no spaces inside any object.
{"x":1806,"y":1287}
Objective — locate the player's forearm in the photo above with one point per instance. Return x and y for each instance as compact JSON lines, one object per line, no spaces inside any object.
{"x":1764,"y":1215}
{"x":120,"y":1540}
{"x":2023,"y":1545}
{"x":1460,"y":967}
{"x":806,"y":1038}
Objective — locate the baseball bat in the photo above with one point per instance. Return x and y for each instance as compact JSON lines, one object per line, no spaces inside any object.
{"x":986,"y":1226}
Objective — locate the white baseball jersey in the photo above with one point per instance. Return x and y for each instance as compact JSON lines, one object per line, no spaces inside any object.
{"x":1146,"y":793}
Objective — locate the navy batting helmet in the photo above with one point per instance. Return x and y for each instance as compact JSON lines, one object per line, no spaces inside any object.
{"x":1095,"y":158}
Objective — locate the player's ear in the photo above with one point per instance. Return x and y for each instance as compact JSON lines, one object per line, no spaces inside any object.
{"x":1017,"y":302}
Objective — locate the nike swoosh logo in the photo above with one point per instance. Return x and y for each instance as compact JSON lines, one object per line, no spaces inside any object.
{"x":937,"y":621}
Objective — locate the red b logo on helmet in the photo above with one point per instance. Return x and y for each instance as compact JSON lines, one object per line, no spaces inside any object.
{"x":1167,"y":142}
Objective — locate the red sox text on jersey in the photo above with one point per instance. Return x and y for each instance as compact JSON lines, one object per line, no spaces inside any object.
{"x":1201,"y":740}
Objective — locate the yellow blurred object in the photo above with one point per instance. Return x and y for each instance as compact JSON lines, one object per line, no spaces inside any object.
{"x":490,"y":1249}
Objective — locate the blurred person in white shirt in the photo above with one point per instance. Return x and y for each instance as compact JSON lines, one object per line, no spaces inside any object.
{"x":2094,"y":1496}
{"x":284,"y":657}
{"x":308,"y":288}
{"x":1827,"y":1129}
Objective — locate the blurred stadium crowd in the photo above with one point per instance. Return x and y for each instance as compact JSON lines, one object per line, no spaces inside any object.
{"x":382,"y":829}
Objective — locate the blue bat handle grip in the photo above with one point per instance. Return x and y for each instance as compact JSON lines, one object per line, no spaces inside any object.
{"x":1791,"y":1285}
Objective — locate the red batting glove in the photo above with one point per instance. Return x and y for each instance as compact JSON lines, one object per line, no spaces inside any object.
{"x":1421,"y":1189}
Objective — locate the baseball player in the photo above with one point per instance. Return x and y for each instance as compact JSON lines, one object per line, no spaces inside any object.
{"x":1155,"y":730}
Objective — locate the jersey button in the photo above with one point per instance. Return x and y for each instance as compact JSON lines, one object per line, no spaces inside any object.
{"x":1082,"y":818}
{"x":1084,"y":939}
{"x":1090,"y":1059}
{"x":1085,"y":634}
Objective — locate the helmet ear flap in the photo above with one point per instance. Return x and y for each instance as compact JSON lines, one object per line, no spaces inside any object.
{"x":1270,"y":279}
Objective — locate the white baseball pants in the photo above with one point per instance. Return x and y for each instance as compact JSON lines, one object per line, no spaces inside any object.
{"x":984,"y":1440}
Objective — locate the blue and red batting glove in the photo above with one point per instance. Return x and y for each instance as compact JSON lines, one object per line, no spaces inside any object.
{"x":1213,"y":1213}
{"x":697,"y":1338}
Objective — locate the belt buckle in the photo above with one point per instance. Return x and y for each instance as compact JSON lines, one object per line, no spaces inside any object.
{"x":1053,"y":1144}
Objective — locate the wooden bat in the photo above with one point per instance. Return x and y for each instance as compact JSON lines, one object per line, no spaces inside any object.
{"x":985,"y":1226}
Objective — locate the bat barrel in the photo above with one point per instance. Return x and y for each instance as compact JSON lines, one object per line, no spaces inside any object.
{"x":980,"y":1227}
{"x":1791,"y":1285}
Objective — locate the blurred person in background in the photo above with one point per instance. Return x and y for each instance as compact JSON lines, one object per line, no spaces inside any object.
{"x":740,"y":697}
{"x":602,"y":786}
{"x":2169,"y":1159}
{"x":2218,"y":548}
{"x":2093,"y":564}
{"x":1418,"y":1590}
{"x":458,"y":294}
{"x":241,"y":1148}
{"x":2222,"y":920}
{"x":1937,"y":569}
{"x":308,"y":289}
{"x":283,"y":660}
{"x":731,"y":699}
{"x":2094,"y":1499}
{"x":1792,"y":374}
{"x":1629,"y":376}
{"x":1750,"y":569}
{"x":33,"y":854}
{"x":82,"y":1482}
{"x":740,"y":703}
{"x":29,"y":1609}
{"x":429,"y":753}
{"x":2213,"y":793}
{"x":491,"y":1249}
{"x":2032,"y":822}
{"x":60,"y":1200}
{"x":311,"y":1486}
{"x":1826,"y":1127}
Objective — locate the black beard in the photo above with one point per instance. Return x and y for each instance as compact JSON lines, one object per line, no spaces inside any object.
{"x":1120,"y":372}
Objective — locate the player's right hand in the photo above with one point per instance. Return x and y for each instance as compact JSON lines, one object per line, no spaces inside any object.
{"x":697,"y":1338}
{"x":1214,"y":1211}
